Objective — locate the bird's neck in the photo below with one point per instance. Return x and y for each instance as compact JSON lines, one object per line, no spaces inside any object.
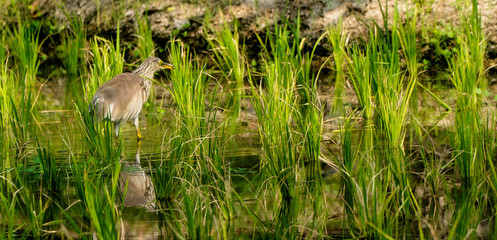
{"x":146,"y":76}
{"x":144,"y":73}
{"x":147,"y":83}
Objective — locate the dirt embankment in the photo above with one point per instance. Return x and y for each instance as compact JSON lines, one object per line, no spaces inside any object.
{"x":185,"y":19}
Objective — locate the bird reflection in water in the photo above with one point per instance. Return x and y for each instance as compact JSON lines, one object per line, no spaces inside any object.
{"x":135,"y":185}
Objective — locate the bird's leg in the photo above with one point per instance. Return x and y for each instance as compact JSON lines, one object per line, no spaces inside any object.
{"x":116,"y":130}
{"x":138,"y":134}
{"x":137,"y":156}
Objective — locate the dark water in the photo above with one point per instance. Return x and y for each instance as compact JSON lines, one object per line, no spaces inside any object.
{"x":140,"y":218}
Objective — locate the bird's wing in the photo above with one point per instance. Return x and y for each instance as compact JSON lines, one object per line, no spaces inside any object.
{"x":119,"y":99}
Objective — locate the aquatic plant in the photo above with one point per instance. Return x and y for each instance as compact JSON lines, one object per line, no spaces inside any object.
{"x":107,"y":61}
{"x":73,"y":41}
{"x":470,"y":160}
{"x":230,"y":60}
{"x":275,"y":107}
{"x":25,"y":47}
{"x":337,"y":38}
{"x":146,"y":48}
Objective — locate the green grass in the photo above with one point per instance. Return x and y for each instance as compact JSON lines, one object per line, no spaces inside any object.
{"x":384,"y":91}
{"x":275,"y":107}
{"x":6,"y":86}
{"x":337,"y":39}
{"x":309,"y":120}
{"x":188,"y":91}
{"x":195,"y":169}
{"x":400,"y":174}
{"x":25,"y":47}
{"x":73,"y":41}
{"x":145,"y":44}
{"x":146,"y":48}
{"x":470,"y":160}
{"x":19,"y":129}
{"x":229,"y":57}
{"x":107,"y":62}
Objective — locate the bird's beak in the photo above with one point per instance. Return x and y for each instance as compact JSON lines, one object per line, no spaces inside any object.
{"x":167,"y":66}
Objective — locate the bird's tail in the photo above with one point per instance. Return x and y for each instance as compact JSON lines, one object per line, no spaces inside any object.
{"x":95,"y":108}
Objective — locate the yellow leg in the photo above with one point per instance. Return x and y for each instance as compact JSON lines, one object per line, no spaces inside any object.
{"x":138,"y":134}
{"x":138,"y":146}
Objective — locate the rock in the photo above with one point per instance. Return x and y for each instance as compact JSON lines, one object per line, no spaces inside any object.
{"x":184,"y":19}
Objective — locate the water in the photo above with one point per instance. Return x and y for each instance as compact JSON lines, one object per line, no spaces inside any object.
{"x":140,"y":218}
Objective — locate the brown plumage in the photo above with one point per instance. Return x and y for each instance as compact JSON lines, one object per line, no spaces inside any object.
{"x":121,"y":98}
{"x":136,"y":186}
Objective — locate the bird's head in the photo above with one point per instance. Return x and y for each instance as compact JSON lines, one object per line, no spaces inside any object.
{"x":150,"y":66}
{"x":157,"y":64}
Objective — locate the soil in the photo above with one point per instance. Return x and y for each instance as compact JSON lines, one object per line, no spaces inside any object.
{"x":185,"y":20}
{"x":170,"y":17}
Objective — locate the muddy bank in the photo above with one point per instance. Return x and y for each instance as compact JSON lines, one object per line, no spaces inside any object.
{"x":185,"y":19}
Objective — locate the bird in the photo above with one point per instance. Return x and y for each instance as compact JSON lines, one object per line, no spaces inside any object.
{"x":121,"y":98}
{"x":136,"y":185}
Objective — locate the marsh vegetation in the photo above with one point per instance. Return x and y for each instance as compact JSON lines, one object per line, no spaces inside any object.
{"x":241,"y":147}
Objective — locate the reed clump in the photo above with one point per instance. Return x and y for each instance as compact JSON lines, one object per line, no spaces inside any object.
{"x":399,"y":175}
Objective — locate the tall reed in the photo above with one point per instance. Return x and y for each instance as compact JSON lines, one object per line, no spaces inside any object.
{"x":25,"y":46}
{"x":379,"y":81}
{"x":394,"y":98}
{"x":73,"y":41}
{"x":96,"y":182}
{"x":107,"y":61}
{"x":102,"y":210}
{"x":8,"y":191}
{"x":6,"y":88}
{"x":229,"y":58}
{"x":275,"y":107}
{"x":337,"y":39}
{"x":185,"y":160}
{"x":309,"y":121}
{"x":146,"y":48}
{"x":18,"y":86}
{"x":469,"y":81}
{"x":188,"y":91}
{"x":177,"y":152}
{"x":145,"y":44}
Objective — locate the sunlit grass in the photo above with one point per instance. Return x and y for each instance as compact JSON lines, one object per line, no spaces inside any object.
{"x":400,"y":178}
{"x":276,"y":106}
{"x":25,"y":47}
{"x":188,"y":91}
{"x":229,"y":57}
{"x":73,"y":42}
{"x":107,"y":61}
{"x":337,"y":38}
{"x":469,"y":128}
{"x":146,"y":48}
